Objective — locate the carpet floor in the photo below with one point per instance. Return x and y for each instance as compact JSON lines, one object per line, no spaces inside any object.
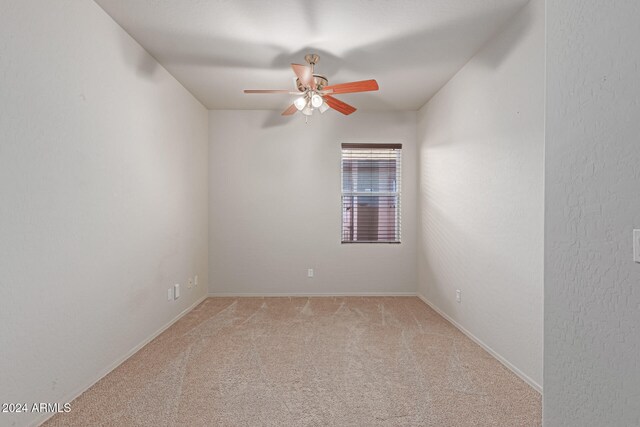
{"x":348,"y":361}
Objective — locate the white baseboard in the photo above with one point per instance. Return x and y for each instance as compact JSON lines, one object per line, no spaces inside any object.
{"x":118,"y":362}
{"x":489,"y":350}
{"x":310,"y":294}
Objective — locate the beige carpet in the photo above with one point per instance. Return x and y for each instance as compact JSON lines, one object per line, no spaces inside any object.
{"x":309,"y":362}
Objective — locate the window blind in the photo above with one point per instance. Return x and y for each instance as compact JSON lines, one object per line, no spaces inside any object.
{"x":371,"y":193}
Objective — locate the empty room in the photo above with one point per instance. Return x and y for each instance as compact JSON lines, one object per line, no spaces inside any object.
{"x":319,"y":213}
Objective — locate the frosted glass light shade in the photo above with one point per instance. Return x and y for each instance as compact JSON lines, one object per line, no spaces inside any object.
{"x":300,"y":103}
{"x":316,"y":100}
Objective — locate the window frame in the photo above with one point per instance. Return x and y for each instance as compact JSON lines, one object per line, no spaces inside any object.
{"x":397,"y":193}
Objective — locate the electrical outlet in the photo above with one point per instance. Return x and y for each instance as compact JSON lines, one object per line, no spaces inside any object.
{"x":170,"y":294}
{"x":310,"y":272}
{"x":189,"y":283}
{"x":458,"y":295}
{"x":176,"y":291}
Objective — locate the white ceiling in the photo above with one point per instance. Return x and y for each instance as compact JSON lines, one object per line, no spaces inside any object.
{"x":217,"y":48}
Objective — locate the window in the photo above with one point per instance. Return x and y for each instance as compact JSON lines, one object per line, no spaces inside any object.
{"x":371,"y":193}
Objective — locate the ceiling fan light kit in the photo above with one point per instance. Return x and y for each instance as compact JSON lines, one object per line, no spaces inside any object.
{"x":314,"y":91}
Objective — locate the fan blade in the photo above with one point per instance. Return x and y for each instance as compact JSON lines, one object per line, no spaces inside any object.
{"x":338,"y":105}
{"x":361,"y":86}
{"x":289,"y":111}
{"x":265,"y":91}
{"x":305,"y":75}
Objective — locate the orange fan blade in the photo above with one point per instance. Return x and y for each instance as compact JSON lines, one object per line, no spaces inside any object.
{"x":361,"y":86}
{"x":265,"y":91}
{"x":305,"y":75}
{"x":289,"y":111}
{"x":338,"y":105}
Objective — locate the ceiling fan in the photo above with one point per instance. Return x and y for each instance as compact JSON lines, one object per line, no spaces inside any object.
{"x":314,"y":91}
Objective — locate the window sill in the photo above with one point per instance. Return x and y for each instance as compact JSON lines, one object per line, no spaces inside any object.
{"x":368,"y":241}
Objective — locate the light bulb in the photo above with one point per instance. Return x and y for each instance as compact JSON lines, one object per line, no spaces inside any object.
{"x":300,"y":103}
{"x":307,"y":111}
{"x":324,"y":107}
{"x":316,"y":100}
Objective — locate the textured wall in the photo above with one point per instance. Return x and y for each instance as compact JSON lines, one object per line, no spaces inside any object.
{"x":103,"y":198}
{"x":481,"y":151}
{"x":275,"y":207}
{"x":592,"y":190}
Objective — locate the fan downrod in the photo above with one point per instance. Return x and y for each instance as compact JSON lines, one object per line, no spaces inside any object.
{"x":321,"y":81}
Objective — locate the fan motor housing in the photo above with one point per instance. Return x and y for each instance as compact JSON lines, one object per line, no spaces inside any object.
{"x":321,"y":82}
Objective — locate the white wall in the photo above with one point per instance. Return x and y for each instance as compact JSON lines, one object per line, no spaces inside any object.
{"x":275,"y":205}
{"x":592,"y":191}
{"x":481,"y":149}
{"x":103,"y":198}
